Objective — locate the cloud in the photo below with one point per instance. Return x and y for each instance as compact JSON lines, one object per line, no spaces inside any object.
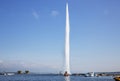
{"x":36,"y":14}
{"x":54,"y":13}
{"x":1,"y":61}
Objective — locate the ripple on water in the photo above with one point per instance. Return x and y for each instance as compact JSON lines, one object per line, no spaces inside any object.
{"x":52,"y":78}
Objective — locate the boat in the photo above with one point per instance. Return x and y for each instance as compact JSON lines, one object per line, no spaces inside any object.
{"x":117,"y":78}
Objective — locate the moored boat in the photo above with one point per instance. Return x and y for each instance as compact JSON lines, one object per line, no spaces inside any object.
{"x":117,"y":78}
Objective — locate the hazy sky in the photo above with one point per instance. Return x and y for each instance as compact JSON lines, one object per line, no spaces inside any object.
{"x":32,"y":35}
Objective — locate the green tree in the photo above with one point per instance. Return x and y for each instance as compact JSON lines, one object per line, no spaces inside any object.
{"x":27,"y":72}
{"x":19,"y":72}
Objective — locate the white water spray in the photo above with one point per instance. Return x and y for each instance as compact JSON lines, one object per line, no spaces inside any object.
{"x":67,"y":44}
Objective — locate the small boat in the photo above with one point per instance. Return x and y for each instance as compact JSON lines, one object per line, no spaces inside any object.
{"x":116,"y":78}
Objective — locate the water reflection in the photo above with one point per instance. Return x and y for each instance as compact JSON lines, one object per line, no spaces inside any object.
{"x":67,"y":78}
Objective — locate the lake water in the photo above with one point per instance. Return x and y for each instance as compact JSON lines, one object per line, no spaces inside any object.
{"x":36,"y":77}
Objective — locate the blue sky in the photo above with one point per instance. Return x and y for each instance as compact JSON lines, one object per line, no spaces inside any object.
{"x":32,"y":34}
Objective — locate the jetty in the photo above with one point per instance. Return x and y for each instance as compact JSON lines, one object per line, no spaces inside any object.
{"x":66,"y":74}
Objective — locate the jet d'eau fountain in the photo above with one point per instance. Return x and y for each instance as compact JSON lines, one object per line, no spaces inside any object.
{"x":67,"y":44}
